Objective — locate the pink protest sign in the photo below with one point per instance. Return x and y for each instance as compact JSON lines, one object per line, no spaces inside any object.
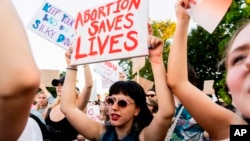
{"x":54,"y":25}
{"x":111,"y":31}
{"x":93,"y":111}
{"x":108,"y":69}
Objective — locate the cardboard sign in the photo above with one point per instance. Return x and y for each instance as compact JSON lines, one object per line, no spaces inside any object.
{"x":208,"y":86}
{"x":137,"y":64}
{"x":111,"y":31}
{"x":109,"y":72}
{"x":108,"y":69}
{"x":106,"y":83}
{"x":54,"y":25}
{"x":208,"y":13}
{"x":93,"y":111}
{"x":146,"y":84}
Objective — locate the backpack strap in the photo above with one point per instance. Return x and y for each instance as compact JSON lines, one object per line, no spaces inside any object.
{"x":172,"y":127}
{"x":49,"y":134}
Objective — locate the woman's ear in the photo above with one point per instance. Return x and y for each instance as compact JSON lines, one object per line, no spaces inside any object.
{"x":137,"y":111}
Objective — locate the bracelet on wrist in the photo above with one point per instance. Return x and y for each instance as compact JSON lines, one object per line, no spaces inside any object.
{"x":72,"y":69}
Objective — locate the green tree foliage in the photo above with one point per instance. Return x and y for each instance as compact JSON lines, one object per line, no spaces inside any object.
{"x":52,"y":90}
{"x":205,"y":51}
{"x":62,"y":74}
{"x":163,"y":29}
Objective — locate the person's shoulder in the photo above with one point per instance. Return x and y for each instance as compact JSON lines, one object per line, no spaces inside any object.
{"x":37,"y":114}
{"x":50,"y":99}
{"x":31,"y":131}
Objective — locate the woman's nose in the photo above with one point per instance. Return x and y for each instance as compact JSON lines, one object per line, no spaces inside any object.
{"x":114,"y":106}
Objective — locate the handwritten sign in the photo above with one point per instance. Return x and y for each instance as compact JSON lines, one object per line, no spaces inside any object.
{"x":208,"y":13}
{"x":208,"y":86}
{"x":108,"y":69}
{"x":137,"y":64}
{"x":106,"y":83}
{"x":54,"y":25}
{"x":146,"y":84}
{"x":111,"y":31}
{"x":109,"y":72}
{"x":93,"y":111}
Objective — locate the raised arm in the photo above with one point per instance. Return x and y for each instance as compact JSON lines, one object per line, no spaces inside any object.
{"x":83,"y":99}
{"x":213,"y":118}
{"x":161,"y":122}
{"x":50,"y":98}
{"x":19,"y":75}
{"x":87,"y":127}
{"x":44,"y":89}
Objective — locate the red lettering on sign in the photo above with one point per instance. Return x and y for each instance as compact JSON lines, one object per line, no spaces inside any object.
{"x":78,"y":46}
{"x":128,"y":17}
{"x":91,"y":112}
{"x":114,"y":40}
{"x":100,"y":41}
{"x":104,"y":11}
{"x":110,"y":42}
{"x":133,"y":39}
{"x":78,"y":20}
{"x":111,"y":65}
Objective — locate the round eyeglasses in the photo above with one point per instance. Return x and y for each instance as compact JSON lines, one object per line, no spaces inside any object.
{"x":120,"y":102}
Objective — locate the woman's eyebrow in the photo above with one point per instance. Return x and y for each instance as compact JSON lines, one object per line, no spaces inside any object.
{"x":240,"y":48}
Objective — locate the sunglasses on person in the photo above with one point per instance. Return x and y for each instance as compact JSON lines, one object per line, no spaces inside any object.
{"x":120,"y":102}
{"x":150,"y":95}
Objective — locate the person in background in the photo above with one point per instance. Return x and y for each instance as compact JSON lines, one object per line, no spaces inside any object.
{"x":19,"y":75}
{"x":98,"y":101}
{"x":103,"y":111}
{"x":151,"y":94}
{"x":151,"y":100}
{"x":31,"y":132}
{"x":41,"y":102}
{"x":49,"y":96}
{"x":185,"y":128}
{"x":55,"y":118}
{"x":215,"y":119}
{"x":129,"y":117}
{"x":152,"y":105}
{"x":43,"y":99}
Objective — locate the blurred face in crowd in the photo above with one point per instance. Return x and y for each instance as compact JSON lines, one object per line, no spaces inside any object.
{"x":41,"y":99}
{"x":238,"y":70}
{"x":59,"y":89}
{"x":152,"y":95}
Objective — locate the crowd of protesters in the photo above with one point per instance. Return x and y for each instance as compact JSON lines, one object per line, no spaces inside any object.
{"x":174,"y":109}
